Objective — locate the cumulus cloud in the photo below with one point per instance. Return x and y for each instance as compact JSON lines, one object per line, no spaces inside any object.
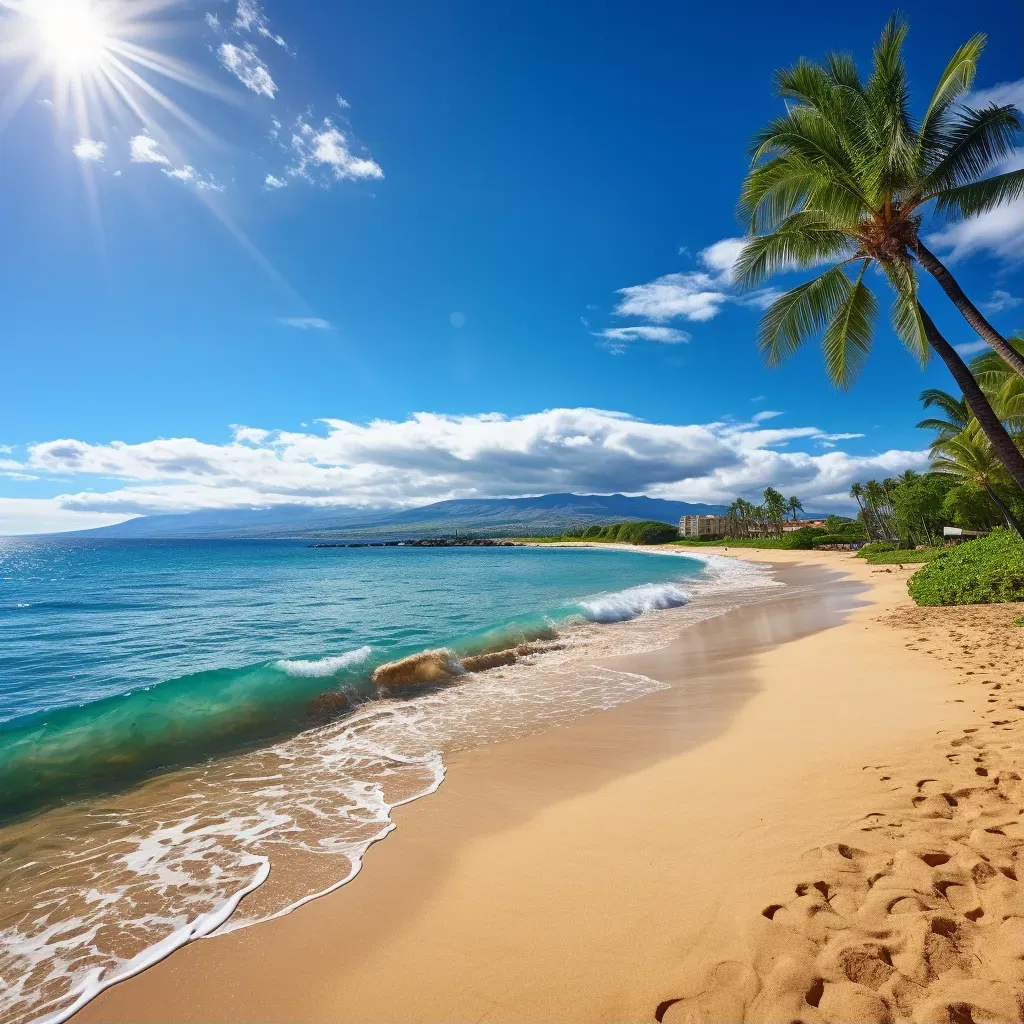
{"x":270,"y":182}
{"x":144,"y":149}
{"x":618,"y":338}
{"x":89,"y":150}
{"x":696,"y":295}
{"x":1001,"y":301}
{"x":429,"y":457}
{"x":305,"y":323}
{"x":247,"y":66}
{"x":325,"y":151}
{"x":998,"y":232}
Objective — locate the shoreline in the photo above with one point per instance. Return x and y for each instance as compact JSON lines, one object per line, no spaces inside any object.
{"x":429,"y":892}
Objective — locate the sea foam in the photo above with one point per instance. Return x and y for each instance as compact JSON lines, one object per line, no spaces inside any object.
{"x":628,"y":604}
{"x":324,"y":667}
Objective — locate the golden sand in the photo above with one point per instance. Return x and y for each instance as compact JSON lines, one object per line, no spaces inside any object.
{"x":814,"y":826}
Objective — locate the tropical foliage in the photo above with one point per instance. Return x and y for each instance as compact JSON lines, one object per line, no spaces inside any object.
{"x":985,"y":571}
{"x":843,"y":178}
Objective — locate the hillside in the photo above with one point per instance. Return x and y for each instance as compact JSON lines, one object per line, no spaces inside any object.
{"x":548,"y":513}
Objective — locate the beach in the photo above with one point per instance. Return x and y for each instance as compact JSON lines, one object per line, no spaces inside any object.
{"x":701,"y":853}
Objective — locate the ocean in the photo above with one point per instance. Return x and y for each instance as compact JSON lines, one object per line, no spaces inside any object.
{"x":190,"y":740}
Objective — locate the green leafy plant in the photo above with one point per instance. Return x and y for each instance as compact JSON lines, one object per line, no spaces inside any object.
{"x":985,"y":571}
{"x":843,"y":178}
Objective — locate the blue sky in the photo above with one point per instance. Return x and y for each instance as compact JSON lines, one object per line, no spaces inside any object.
{"x":241,"y":283}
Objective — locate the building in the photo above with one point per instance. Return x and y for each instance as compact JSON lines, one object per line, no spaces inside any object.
{"x":706,"y":527}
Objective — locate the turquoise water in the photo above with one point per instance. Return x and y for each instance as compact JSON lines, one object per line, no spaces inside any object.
{"x":162,"y":776}
{"x":118,"y":658}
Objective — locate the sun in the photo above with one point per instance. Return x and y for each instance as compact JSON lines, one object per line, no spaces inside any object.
{"x":93,"y":57}
{"x":74,"y":36}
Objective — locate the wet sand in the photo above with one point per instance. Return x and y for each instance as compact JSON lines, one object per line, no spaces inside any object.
{"x":606,"y":869}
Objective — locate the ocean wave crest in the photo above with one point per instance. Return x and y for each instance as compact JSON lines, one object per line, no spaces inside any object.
{"x":628,"y":604}
{"x":323,"y":667}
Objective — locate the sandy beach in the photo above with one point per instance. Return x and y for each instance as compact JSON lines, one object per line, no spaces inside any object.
{"x":817,"y":821}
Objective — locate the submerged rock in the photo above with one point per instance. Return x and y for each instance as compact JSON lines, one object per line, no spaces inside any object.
{"x":480,"y":662}
{"x":426,"y":667}
{"x":327,"y":705}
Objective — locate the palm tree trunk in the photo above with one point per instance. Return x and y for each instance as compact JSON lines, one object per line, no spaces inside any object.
{"x":1011,"y":519}
{"x":1002,"y":444}
{"x":970,"y":312}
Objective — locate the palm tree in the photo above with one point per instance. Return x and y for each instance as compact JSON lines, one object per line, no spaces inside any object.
{"x":857,"y":493}
{"x":957,"y":413}
{"x":843,"y":178}
{"x":794,"y":505}
{"x":968,"y":457}
{"x":774,"y":509}
{"x":1003,"y":387}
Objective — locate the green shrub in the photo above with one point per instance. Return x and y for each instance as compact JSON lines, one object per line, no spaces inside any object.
{"x":903,"y":556}
{"x":877,"y":546}
{"x":802,"y":539}
{"x":648,"y":532}
{"x":835,"y":538}
{"x":989,"y":570}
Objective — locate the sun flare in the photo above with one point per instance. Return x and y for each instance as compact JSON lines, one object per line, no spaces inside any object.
{"x":73,"y":34}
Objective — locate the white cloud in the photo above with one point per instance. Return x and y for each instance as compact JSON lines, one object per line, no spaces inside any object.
{"x":429,"y":457}
{"x":245,"y":64}
{"x":697,"y":295}
{"x":89,"y":150}
{"x":765,"y":414}
{"x":270,"y":182}
{"x":249,"y":17}
{"x":998,"y":232}
{"x":1001,"y":301}
{"x":692,"y":296}
{"x":189,"y":175}
{"x":144,"y":149}
{"x":618,"y":338}
{"x":212,"y":21}
{"x":305,"y":323}
{"x":327,"y":148}
{"x":342,"y":102}
{"x":721,"y":257}
{"x":1000,"y":95}
{"x":972,"y":348}
{"x":49,"y":515}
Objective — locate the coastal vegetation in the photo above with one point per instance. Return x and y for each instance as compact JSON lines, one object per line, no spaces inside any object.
{"x":637,"y":532}
{"x":844,"y":177}
{"x":989,"y":570}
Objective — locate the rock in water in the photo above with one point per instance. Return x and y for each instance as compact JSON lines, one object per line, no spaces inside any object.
{"x":480,"y":662}
{"x":426,"y":667}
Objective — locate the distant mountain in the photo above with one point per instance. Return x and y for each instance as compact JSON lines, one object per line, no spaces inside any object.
{"x":492,"y":517}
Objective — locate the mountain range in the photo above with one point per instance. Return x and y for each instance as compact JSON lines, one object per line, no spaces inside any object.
{"x":492,"y":517}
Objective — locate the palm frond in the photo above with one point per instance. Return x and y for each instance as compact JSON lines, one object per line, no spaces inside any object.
{"x":955,"y":408}
{"x":971,"y":146}
{"x":954,"y":81}
{"x":889,"y":122}
{"x":847,"y":340}
{"x":801,"y":241}
{"x":800,"y":313}
{"x":843,"y":69}
{"x":980,"y":196}
{"x":906,"y":313}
